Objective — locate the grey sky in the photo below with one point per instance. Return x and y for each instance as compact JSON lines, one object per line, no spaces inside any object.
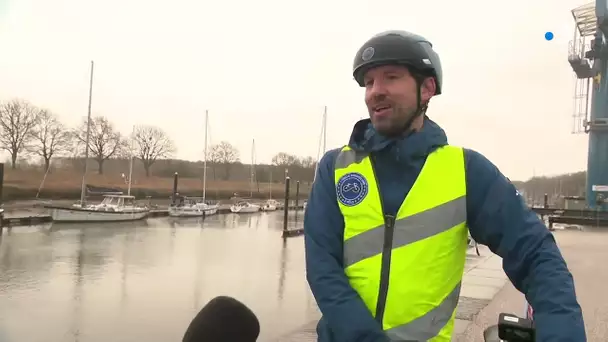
{"x":264,"y":69}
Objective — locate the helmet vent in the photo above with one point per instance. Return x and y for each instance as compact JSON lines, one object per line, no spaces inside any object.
{"x":368,"y":53}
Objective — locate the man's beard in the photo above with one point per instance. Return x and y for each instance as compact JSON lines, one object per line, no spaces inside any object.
{"x":394,"y":125}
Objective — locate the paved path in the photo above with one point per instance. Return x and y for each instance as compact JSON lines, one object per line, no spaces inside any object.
{"x":586,"y":253}
{"x":486,"y":291}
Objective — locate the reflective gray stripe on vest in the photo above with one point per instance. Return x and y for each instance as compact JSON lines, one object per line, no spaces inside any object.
{"x":429,"y":325}
{"x":407,"y":230}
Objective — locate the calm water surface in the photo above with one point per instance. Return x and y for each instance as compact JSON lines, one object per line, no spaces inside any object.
{"x":145,"y":281}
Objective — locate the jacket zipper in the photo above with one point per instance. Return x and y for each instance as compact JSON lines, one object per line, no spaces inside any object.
{"x":387,"y":247}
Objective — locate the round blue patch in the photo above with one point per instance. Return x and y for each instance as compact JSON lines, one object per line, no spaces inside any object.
{"x":352,"y":189}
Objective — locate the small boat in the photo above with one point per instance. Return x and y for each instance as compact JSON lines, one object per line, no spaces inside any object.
{"x":113,"y":208}
{"x":192,"y":207}
{"x":270,"y":205}
{"x":244,"y":207}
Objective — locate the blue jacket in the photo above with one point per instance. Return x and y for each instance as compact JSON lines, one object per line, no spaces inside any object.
{"x":497,"y":217}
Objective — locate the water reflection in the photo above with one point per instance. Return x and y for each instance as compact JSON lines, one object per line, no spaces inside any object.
{"x":145,"y":281}
{"x":283,"y":259}
{"x":78,"y":292}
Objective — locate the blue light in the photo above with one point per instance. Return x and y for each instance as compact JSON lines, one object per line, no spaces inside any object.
{"x":549,"y":35}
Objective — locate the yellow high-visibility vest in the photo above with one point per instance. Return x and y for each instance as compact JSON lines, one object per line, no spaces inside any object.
{"x":407,"y":269}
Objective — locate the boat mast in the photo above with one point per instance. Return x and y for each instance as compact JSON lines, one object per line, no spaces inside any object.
{"x":86,"y":150}
{"x":251,"y":178}
{"x":270,"y":186}
{"x":205,"y":160}
{"x":325,"y":129}
{"x":322,"y":141}
{"x":131,"y":162}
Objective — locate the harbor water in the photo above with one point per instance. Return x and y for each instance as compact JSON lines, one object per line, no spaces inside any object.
{"x":145,"y":281}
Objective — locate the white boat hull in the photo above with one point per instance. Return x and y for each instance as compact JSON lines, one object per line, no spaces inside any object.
{"x":244,"y":210}
{"x":211,"y":211}
{"x":84,"y":215}
{"x":268,"y":207}
{"x":192,"y":212}
{"x":178,"y":212}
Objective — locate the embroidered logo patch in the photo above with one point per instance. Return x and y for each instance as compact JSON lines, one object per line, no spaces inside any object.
{"x":352,"y":189}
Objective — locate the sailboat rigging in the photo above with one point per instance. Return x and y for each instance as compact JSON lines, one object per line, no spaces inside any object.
{"x":322,"y":143}
{"x":270,"y":204}
{"x":193,"y":206}
{"x":112,"y":208}
{"x":244,"y":206}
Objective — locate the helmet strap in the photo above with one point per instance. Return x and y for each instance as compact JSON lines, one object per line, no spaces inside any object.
{"x":420,"y":107}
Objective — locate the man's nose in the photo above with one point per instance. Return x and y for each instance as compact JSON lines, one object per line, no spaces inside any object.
{"x":377,"y":90}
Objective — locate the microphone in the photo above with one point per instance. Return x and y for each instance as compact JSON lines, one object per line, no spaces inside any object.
{"x":223,"y":319}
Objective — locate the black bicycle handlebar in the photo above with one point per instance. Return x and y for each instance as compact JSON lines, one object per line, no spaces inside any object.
{"x":511,"y":328}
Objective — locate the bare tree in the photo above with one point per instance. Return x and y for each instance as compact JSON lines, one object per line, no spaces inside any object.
{"x":226,"y":154}
{"x":213,"y":158}
{"x":284,"y":159}
{"x":105,"y":141}
{"x":17,"y":118}
{"x":151,"y":143}
{"x":307,"y":162}
{"x":49,"y":137}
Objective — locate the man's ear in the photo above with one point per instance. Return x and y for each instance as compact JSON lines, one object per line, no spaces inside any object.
{"x":428,"y":89}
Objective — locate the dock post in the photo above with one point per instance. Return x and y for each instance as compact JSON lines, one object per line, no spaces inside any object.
{"x":286,"y":207}
{"x":297,"y":193}
{"x":173,"y":198}
{"x":296,"y":204}
{"x":546,"y":201}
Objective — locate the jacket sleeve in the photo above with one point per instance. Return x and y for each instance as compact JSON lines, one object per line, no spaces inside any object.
{"x":343,"y":310}
{"x":499,"y":218}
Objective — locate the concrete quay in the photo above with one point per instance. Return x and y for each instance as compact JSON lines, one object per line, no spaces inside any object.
{"x":486,"y":291}
{"x":586,"y":253}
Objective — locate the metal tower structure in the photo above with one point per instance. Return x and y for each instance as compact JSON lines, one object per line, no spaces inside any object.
{"x":588,"y":56}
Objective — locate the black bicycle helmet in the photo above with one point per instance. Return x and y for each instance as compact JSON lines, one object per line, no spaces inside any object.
{"x":402,"y":48}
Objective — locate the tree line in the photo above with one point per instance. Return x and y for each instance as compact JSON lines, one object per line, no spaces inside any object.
{"x":27,"y":130}
{"x":535,"y":188}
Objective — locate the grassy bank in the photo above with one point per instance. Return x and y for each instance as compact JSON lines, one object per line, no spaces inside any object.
{"x":60,"y":184}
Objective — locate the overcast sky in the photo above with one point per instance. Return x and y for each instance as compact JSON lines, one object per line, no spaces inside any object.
{"x":265,"y":69}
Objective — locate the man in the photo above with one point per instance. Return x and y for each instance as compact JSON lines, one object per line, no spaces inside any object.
{"x":387,"y":219}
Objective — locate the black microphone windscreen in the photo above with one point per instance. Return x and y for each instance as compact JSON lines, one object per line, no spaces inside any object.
{"x":223,"y":319}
